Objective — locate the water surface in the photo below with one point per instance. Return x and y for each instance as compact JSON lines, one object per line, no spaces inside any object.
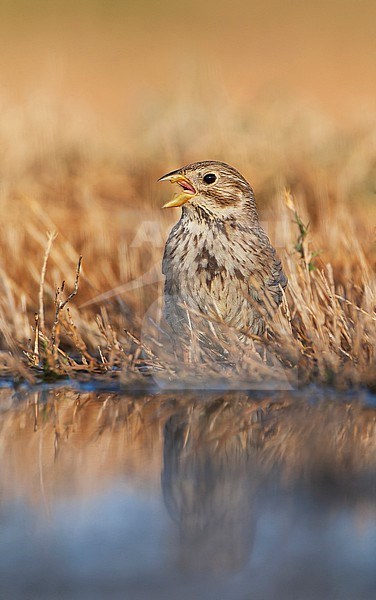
{"x":230,"y":495}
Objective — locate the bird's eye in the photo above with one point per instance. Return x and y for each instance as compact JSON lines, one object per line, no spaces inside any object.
{"x":210,"y":178}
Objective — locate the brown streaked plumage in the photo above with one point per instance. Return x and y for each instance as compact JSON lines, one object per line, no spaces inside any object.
{"x":218,"y":261}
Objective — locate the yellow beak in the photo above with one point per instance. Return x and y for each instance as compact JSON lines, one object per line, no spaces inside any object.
{"x":188,"y":189}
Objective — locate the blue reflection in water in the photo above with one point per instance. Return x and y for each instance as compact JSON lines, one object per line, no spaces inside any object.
{"x":251,"y":503}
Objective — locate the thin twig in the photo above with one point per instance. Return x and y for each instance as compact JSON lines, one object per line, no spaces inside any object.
{"x":36,"y":341}
{"x":60,"y":304}
{"x":51,"y":237}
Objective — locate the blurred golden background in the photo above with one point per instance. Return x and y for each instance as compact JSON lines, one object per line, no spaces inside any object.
{"x":118,"y":58}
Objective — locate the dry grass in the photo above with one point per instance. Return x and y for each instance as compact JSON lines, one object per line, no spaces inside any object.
{"x":61,"y":177}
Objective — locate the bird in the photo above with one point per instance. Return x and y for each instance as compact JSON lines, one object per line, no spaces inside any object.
{"x":218,"y":262}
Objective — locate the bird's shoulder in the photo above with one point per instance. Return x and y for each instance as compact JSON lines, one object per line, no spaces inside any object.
{"x":171,"y":244}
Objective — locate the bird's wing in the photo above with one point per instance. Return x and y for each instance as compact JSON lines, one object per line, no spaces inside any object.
{"x":266,"y":277}
{"x":277,"y":281}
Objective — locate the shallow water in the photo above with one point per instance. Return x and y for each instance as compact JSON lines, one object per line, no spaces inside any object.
{"x":201,"y":495}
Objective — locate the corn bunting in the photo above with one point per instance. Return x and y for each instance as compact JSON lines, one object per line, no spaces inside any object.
{"x":218,"y":261}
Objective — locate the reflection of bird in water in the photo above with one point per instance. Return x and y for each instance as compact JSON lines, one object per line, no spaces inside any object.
{"x":209,"y":488}
{"x":300,"y":461}
{"x":218,"y":260}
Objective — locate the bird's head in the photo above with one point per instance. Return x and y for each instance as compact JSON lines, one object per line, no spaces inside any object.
{"x":212,"y":188}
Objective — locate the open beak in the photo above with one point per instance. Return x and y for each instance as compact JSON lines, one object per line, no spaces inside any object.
{"x":188,"y":189}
